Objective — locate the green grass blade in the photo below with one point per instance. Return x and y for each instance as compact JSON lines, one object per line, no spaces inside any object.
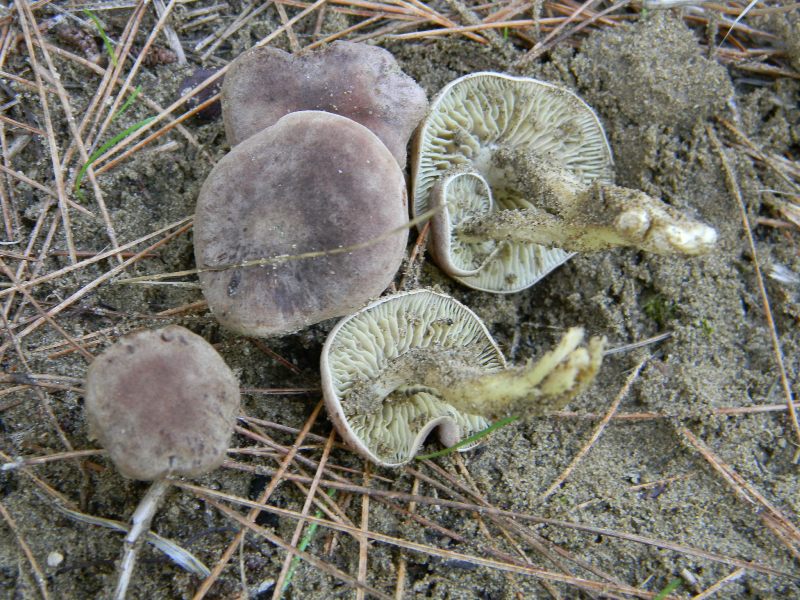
{"x":673,"y":585}
{"x":304,"y":542}
{"x":128,"y":102}
{"x":99,"y":152}
{"x":468,"y":440}
{"x":106,"y":40}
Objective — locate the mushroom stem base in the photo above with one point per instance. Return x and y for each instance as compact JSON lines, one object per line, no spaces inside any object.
{"x":580,"y":218}
{"x":535,"y":388}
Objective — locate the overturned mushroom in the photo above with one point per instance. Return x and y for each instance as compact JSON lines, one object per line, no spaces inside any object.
{"x":358,"y":81}
{"x":163,"y":403}
{"x":282,"y":222}
{"x":416,"y":361}
{"x":537,"y":170}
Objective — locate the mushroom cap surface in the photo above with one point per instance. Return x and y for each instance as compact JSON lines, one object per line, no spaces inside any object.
{"x":479,"y":113}
{"x":313,"y":182}
{"x":162,"y":402}
{"x":358,"y":81}
{"x":402,"y":334}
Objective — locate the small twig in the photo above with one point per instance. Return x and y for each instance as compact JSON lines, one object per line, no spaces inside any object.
{"x":272,"y":354}
{"x":363,"y":540}
{"x":172,"y":38}
{"x":40,"y":460}
{"x":294,"y":45}
{"x":635,"y":345}
{"x":399,"y":589}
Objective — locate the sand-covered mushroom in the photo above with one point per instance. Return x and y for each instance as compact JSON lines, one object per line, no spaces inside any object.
{"x":163,"y":403}
{"x":540,"y":184}
{"x":355,"y":80}
{"x":416,"y":361}
{"x":314,"y":183}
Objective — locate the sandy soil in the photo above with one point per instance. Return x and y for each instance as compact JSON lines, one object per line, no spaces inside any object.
{"x":658,"y":96}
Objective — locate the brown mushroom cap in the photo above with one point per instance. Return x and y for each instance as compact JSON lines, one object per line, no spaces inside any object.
{"x":361,"y":82}
{"x":162,"y":402}
{"x":312,"y":182}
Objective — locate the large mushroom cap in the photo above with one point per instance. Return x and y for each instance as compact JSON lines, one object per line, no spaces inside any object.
{"x":162,"y":402}
{"x":313,"y":182}
{"x":475,"y":116}
{"x":358,"y":81}
{"x":387,"y":344}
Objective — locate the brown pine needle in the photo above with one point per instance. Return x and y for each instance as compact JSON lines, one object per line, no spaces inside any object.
{"x":471,"y":507}
{"x":733,"y":189}
{"x":77,"y":295}
{"x":97,"y":258}
{"x":28,"y":22}
{"x":712,"y":590}
{"x":292,"y":551}
{"x":789,"y":534}
{"x":312,"y":492}
{"x":597,"y":432}
{"x":278,"y":476}
{"x":477,"y":560}
{"x":38,"y":575}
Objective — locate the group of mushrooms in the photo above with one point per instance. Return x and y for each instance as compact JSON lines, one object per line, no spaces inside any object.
{"x":306,"y":219}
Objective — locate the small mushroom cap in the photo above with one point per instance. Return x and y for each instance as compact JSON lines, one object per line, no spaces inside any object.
{"x":477,"y":114}
{"x":358,"y":81}
{"x":313,"y":182}
{"x":461,"y":196}
{"x":388,"y":344}
{"x":162,"y":402}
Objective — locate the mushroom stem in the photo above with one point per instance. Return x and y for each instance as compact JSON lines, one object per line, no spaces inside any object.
{"x":577,"y":217}
{"x":534,"y":388}
{"x":140,"y":523}
{"x":528,"y":390}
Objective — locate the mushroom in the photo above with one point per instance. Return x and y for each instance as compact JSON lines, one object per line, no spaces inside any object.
{"x":537,"y":170}
{"x":303,"y":221}
{"x":358,"y":81}
{"x":163,"y":403}
{"x":419,"y":360}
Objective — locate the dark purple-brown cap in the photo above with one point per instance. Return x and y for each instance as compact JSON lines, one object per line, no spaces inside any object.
{"x":162,"y":402}
{"x":358,"y":81}
{"x":314,"y":182}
